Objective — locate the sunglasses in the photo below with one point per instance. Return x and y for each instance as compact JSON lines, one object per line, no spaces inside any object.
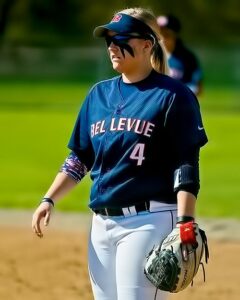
{"x":119,"y":39}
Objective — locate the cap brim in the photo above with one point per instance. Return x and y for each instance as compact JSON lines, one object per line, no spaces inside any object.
{"x":102,"y":30}
{"x":123,"y":24}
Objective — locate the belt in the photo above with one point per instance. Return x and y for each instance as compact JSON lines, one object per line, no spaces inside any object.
{"x":125,"y":211}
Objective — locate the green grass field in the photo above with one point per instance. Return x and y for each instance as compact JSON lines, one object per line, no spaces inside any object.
{"x":36,"y":120}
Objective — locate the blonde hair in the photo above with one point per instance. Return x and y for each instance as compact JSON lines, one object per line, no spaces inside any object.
{"x":158,"y":54}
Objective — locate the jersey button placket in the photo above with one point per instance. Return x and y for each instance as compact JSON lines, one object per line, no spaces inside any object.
{"x":102,"y":190}
{"x":119,"y":109}
{"x":104,"y":170}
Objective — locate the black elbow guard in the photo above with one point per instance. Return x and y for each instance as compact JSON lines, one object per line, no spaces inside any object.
{"x":186,"y":178}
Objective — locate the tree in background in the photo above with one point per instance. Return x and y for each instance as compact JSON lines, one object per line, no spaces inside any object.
{"x":70,"y":22}
{"x":5,"y":9}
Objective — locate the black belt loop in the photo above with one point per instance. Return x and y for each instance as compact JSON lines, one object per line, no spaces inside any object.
{"x":147,"y":205}
{"x":143,"y":206}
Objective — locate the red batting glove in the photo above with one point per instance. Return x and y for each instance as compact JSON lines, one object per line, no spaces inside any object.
{"x":187,"y":233}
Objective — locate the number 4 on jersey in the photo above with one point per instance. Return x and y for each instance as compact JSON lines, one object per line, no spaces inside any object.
{"x":138,"y":153}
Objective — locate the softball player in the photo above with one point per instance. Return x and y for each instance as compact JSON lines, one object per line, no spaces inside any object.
{"x":139,"y":135}
{"x":183,"y":63}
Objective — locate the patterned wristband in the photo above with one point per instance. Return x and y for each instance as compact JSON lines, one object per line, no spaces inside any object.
{"x":184,"y":219}
{"x":48,"y":200}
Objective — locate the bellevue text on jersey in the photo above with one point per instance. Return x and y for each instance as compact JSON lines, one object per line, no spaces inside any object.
{"x":124,"y":124}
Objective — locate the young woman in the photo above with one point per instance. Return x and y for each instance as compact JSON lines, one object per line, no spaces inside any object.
{"x":139,"y":135}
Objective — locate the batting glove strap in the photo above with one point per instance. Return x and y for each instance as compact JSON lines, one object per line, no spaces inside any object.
{"x":185,"y":219}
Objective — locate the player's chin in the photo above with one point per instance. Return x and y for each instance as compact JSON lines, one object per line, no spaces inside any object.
{"x":117,"y":67}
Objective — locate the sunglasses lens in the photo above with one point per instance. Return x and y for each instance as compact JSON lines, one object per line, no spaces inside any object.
{"x":117,"y":39}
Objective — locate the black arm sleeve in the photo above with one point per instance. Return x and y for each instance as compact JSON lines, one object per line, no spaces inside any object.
{"x":186,"y":175}
{"x":186,"y":135}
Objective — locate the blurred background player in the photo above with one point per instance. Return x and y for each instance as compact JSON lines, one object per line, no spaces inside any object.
{"x":183,"y":63}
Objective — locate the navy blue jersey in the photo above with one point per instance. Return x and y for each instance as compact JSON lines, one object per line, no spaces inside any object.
{"x":184,"y":66}
{"x":132,"y":138}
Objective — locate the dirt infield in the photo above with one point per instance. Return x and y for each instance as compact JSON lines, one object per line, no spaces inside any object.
{"x":54,"y":267}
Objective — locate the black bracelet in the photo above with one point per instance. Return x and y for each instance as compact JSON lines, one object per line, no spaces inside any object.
{"x":184,"y":219}
{"x":48,"y":200}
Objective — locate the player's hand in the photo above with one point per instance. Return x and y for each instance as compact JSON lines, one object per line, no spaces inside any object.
{"x":43,"y":211}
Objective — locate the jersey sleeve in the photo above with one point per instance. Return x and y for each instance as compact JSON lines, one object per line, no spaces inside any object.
{"x":183,"y":124}
{"x":80,"y":141}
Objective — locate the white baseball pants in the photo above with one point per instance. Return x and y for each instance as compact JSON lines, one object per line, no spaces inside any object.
{"x":117,"y":252}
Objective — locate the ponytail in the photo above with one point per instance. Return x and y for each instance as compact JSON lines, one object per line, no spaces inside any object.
{"x":158,"y":54}
{"x":159,"y":58}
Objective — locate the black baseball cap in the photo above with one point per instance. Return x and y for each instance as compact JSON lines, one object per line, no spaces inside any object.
{"x":169,"y":21}
{"x":123,"y":24}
